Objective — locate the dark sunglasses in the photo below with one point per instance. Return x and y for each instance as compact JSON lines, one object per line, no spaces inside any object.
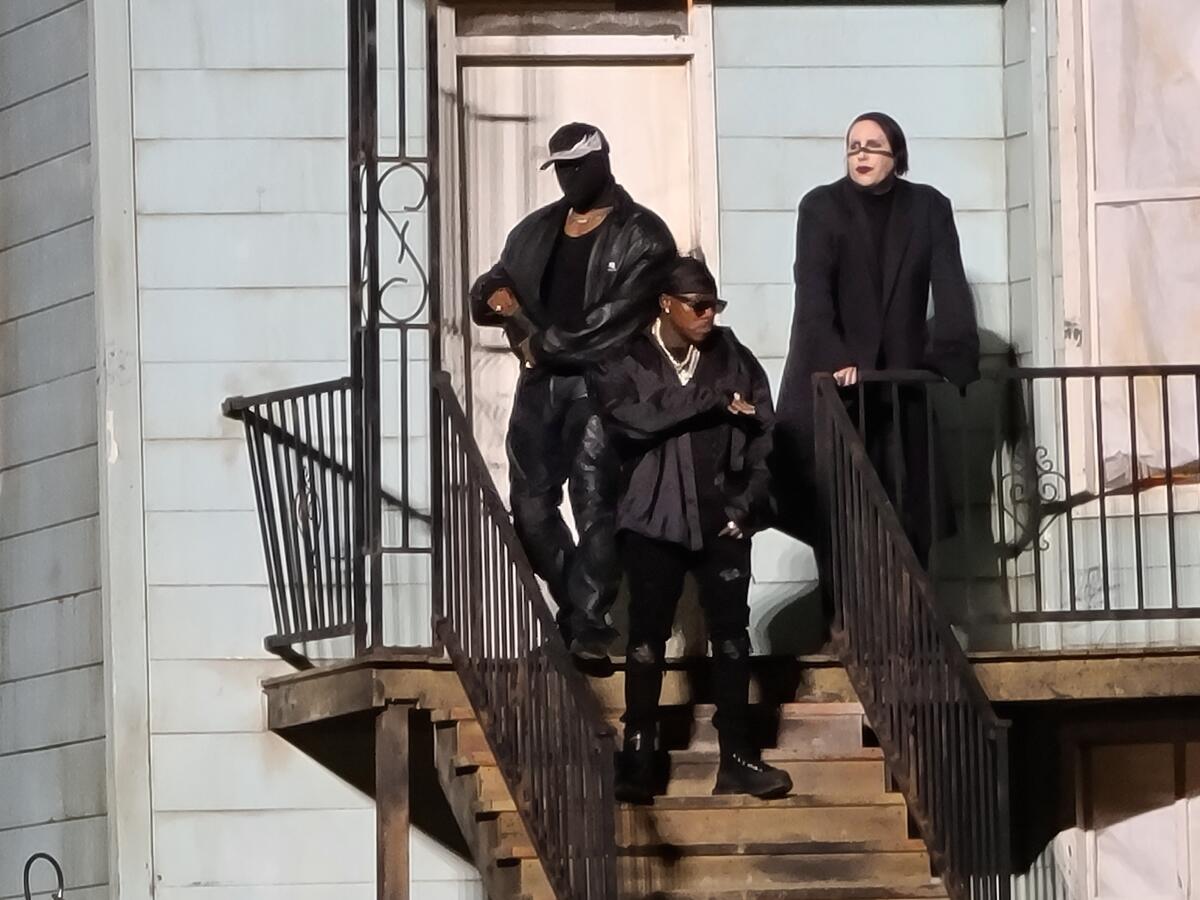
{"x":855,"y":149}
{"x":701,"y":305}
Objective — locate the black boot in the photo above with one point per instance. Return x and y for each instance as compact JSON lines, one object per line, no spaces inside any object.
{"x":745,"y":773}
{"x":592,"y":643}
{"x":635,"y":777}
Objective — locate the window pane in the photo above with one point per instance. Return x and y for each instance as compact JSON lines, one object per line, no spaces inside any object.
{"x":1146,"y":65}
{"x":1148,"y":314}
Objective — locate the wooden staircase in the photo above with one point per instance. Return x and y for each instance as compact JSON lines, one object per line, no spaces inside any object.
{"x":842,"y":835}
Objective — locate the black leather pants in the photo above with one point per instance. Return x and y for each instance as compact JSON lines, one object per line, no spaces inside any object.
{"x":556,"y":437}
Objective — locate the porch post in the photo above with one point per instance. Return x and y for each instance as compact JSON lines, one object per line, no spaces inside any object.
{"x":391,"y":802}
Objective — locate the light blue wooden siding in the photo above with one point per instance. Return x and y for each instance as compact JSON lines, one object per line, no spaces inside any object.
{"x":789,"y":80}
{"x":240,"y":142}
{"x":52,"y":764}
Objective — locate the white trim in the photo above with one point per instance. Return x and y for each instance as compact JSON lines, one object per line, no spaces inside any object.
{"x":1145,"y":195}
{"x":1047,"y":315}
{"x":1072,"y":151}
{"x":702,"y":74}
{"x":449,"y":190}
{"x":559,"y":47}
{"x":1092,"y":306}
{"x":122,"y":522}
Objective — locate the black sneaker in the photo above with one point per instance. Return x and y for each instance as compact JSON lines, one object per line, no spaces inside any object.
{"x":741,"y":773}
{"x":636,"y":776}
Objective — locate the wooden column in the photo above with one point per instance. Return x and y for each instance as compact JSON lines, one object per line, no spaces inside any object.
{"x":391,"y":802}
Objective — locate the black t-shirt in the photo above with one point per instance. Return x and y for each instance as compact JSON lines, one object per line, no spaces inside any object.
{"x":565,"y":279}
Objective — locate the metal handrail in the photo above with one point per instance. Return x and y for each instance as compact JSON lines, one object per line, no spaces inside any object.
{"x":542,"y":722}
{"x":1046,"y":488}
{"x":946,"y":748}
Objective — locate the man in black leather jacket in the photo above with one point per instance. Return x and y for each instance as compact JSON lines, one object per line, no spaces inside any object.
{"x":576,"y":279}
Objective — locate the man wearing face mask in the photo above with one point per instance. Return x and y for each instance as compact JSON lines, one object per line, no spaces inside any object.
{"x":870,"y":250}
{"x":576,"y":279}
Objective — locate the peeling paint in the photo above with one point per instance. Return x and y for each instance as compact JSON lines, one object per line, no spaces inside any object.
{"x":114,"y":452}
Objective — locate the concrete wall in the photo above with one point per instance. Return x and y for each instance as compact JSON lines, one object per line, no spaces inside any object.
{"x":789,"y":80}
{"x":239,"y":124}
{"x":52,"y":726}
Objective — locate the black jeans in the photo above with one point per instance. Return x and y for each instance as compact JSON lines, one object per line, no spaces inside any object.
{"x":656,"y":572}
{"x":554,"y":437}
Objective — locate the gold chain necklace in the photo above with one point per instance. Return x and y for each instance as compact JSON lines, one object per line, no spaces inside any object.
{"x":683,"y":370}
{"x":587,"y":218}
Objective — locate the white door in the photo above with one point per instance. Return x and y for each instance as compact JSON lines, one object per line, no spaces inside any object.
{"x":508,"y":113}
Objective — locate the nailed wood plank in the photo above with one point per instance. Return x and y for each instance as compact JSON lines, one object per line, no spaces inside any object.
{"x":302,"y":702}
{"x":1091,"y":677}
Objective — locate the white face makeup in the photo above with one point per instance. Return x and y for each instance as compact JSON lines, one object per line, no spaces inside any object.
{"x":868,"y":154}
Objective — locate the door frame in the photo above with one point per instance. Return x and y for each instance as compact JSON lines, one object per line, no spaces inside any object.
{"x":455,"y":53}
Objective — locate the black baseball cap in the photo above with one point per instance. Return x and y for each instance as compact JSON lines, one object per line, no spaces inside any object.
{"x":575,"y":140}
{"x":689,"y":275}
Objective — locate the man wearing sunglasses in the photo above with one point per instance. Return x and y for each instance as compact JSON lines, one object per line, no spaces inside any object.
{"x":689,"y":408}
{"x":576,"y":279}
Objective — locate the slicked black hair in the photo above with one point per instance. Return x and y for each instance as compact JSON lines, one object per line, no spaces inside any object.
{"x":893,"y":132}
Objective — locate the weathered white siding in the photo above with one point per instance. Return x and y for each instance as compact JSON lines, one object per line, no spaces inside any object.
{"x":789,"y":80}
{"x":239,"y":125}
{"x":52,"y":765}
{"x":1031,"y":138}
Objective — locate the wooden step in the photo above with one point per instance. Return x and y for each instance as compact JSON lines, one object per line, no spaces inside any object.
{"x":470,"y":736}
{"x":932,"y":891}
{"x":773,"y":871}
{"x":676,"y":821}
{"x":822,"y":684}
{"x":708,"y":802}
{"x":831,"y":726}
{"x":857,"y":774}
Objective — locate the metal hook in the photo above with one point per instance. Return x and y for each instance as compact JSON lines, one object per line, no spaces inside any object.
{"x":58,"y":894}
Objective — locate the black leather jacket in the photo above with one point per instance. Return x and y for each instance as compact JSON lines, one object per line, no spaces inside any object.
{"x":624,"y":279}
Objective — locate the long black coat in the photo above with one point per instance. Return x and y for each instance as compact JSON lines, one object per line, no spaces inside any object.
{"x":852,"y":312}
{"x":625,"y":275}
{"x":652,"y":418}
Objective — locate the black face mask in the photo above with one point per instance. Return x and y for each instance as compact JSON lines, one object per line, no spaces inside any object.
{"x":584,"y":181}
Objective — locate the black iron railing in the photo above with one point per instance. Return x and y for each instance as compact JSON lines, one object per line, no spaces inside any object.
{"x":1052,"y":495}
{"x":541,"y":720}
{"x":945,"y":747}
{"x":544,"y":725}
{"x":310,"y":506}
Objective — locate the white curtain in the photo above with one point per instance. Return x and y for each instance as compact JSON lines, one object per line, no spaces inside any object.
{"x":1146,"y":118}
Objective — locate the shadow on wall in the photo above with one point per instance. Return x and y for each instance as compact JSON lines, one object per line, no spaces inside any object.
{"x":980,"y":435}
{"x":969,"y":563}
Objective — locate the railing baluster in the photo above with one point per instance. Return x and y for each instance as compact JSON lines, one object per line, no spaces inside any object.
{"x":1102,"y":485}
{"x":260,"y":475}
{"x":1035,"y":497}
{"x":1002,"y":430}
{"x":1134,"y":475}
{"x":1165,"y":389}
{"x":1065,"y":416}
